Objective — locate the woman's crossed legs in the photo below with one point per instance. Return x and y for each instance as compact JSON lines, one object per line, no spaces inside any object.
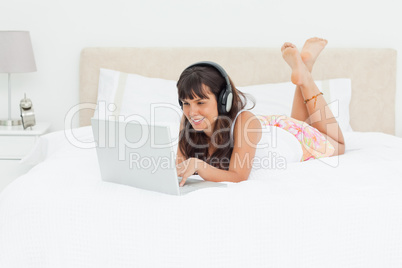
{"x":315,"y":112}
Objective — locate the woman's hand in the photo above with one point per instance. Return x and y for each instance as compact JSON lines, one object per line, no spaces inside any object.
{"x":188,"y":168}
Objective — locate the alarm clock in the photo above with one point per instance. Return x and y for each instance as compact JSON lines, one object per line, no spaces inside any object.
{"x":27,"y":113}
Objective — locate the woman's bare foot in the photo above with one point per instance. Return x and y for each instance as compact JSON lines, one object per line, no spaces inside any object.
{"x":311,"y":49}
{"x":292,"y":56}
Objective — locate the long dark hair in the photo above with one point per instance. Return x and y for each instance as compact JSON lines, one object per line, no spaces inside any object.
{"x":194,"y":143}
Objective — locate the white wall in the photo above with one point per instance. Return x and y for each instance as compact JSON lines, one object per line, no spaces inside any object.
{"x":60,"y":29}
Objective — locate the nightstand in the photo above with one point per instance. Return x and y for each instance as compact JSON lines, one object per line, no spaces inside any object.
{"x":15,"y":143}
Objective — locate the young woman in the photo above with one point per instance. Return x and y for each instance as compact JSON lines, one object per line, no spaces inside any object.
{"x":221,"y":145}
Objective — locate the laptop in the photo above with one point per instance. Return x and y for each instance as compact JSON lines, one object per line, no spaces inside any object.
{"x":142,"y":156}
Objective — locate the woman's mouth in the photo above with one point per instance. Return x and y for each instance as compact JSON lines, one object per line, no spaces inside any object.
{"x":197,"y":121}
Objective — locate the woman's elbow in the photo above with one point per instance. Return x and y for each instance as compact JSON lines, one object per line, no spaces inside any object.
{"x":241,"y":178}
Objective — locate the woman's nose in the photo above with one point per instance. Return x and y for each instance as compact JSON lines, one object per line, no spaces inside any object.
{"x":193,"y":111}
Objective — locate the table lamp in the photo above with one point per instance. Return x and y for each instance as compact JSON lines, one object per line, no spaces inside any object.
{"x":16,"y":56}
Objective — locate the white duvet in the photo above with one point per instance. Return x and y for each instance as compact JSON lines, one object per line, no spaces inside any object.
{"x":337,"y":212}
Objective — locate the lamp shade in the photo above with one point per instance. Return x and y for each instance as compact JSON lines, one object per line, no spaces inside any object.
{"x":16,"y":53}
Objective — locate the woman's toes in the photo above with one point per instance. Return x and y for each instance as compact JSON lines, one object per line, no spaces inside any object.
{"x":286,"y":45}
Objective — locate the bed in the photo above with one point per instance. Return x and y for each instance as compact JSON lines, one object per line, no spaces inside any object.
{"x":343,"y":211}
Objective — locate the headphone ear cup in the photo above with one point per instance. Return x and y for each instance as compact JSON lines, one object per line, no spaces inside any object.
{"x":225,"y":101}
{"x":221,"y":102}
{"x":229,"y":102}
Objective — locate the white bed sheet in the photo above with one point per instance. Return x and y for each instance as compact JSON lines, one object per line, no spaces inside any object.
{"x":341,"y":211}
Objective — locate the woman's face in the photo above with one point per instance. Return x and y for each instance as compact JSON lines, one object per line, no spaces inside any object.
{"x":202,"y":113}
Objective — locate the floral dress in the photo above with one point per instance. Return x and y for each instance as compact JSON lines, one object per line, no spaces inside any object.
{"x":313,"y":142}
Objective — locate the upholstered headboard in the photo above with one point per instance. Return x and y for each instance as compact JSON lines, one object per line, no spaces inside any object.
{"x":372,"y":71}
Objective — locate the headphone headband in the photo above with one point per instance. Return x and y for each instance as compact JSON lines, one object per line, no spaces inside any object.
{"x":216,"y":66}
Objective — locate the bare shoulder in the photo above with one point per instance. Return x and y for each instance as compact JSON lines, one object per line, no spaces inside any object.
{"x":248,"y":119}
{"x":247,"y":126}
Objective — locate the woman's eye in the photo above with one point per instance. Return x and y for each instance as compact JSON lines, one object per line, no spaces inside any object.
{"x":200,"y":102}
{"x":185,"y":103}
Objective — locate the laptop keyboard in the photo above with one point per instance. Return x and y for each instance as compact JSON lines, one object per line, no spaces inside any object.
{"x":194,"y":184}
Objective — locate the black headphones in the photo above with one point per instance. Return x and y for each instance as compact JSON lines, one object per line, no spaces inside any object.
{"x":225,"y":98}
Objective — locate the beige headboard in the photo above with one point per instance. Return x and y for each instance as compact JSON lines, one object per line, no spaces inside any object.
{"x":372,"y":71}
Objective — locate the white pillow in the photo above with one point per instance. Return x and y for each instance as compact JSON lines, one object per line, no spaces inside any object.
{"x":146,"y":100}
{"x":155,"y":100}
{"x":277,"y":98}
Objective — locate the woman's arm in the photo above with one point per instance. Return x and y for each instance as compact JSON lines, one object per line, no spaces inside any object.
{"x":247,"y":134}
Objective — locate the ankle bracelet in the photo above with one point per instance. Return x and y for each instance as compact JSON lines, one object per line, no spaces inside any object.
{"x":315,"y":98}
